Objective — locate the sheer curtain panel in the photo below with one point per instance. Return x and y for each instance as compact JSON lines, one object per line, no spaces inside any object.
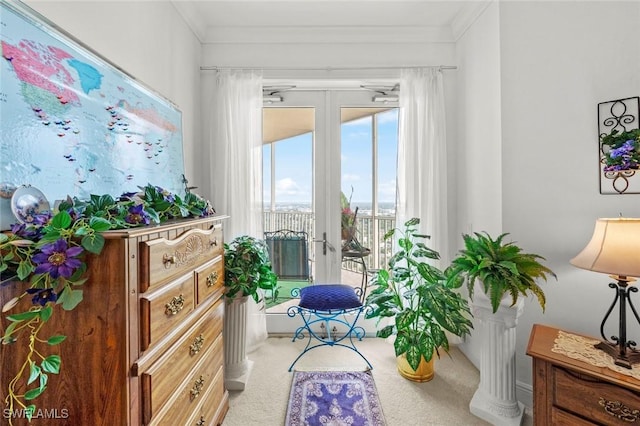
{"x":236,"y":152}
{"x":236,"y":167}
{"x":422,"y":156}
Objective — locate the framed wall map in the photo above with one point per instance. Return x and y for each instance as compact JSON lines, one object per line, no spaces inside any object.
{"x":75,"y":124}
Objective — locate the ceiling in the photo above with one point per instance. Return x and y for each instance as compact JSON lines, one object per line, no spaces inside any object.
{"x":289,"y":21}
{"x":324,"y":21}
{"x":284,"y":123}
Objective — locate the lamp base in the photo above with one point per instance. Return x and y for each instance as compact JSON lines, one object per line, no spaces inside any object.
{"x":626,"y":360}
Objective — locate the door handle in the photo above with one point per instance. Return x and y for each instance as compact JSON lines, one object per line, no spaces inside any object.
{"x":325,"y":244}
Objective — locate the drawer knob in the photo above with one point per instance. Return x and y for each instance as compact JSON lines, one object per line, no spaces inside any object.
{"x":174,"y":306}
{"x":201,"y":422}
{"x":619,"y":410}
{"x":213,"y":242}
{"x":196,"y":346}
{"x":212,"y":278}
{"x":197,"y":388}
{"x":169,"y":260}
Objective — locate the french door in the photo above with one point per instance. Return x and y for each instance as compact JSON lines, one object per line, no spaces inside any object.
{"x":304,"y":166}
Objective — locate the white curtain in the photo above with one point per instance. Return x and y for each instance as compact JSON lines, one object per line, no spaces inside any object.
{"x":422,"y":156}
{"x":236,"y":168}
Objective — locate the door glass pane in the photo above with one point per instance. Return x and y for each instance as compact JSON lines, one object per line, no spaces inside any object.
{"x":369,"y":140}
{"x":288,"y":135}
{"x":387,"y":122}
{"x":387,"y":157}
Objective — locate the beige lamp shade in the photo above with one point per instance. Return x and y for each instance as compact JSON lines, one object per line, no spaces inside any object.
{"x":614,"y":248}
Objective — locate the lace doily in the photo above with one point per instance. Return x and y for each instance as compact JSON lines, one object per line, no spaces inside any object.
{"x":582,"y":349}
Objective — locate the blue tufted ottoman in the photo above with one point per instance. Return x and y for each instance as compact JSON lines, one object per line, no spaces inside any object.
{"x":328,"y":305}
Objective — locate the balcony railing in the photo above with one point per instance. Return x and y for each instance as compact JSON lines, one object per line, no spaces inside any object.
{"x":370,"y":233}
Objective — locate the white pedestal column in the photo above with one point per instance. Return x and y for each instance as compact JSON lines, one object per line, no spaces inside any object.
{"x":495,"y":399}
{"x":237,"y":366}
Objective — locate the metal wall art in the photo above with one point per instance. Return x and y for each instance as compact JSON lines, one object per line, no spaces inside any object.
{"x":619,"y":146}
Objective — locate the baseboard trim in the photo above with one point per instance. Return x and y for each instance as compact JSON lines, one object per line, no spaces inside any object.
{"x":524,"y":394}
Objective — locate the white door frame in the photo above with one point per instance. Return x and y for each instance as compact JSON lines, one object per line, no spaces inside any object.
{"x":326,"y":186}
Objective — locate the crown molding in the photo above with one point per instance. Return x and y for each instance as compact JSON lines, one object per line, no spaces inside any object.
{"x":193,"y":20}
{"x":328,"y":34}
{"x":467,"y":16}
{"x":324,"y":34}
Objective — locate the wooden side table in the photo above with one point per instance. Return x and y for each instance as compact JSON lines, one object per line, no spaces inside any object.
{"x":567,"y":391}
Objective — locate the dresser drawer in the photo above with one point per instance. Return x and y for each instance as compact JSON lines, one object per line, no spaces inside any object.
{"x":210,"y":280}
{"x":562,"y":418}
{"x":162,"y":259}
{"x":598,"y":401}
{"x":212,"y":407}
{"x":162,"y":310}
{"x":207,"y":374}
{"x":164,"y":376}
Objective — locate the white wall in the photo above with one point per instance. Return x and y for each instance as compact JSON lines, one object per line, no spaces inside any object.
{"x":479,"y":190}
{"x":558,"y":61}
{"x":148,"y":40}
{"x":531,"y":76}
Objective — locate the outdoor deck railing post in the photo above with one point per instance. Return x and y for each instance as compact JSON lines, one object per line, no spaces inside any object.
{"x":371,"y":231}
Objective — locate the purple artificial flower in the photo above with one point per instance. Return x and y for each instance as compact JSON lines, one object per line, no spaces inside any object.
{"x":42,"y":295}
{"x":41,"y":218}
{"x":623,"y":156}
{"x":624,"y":150}
{"x":73,"y":213}
{"x":57,"y":260}
{"x":27,"y":231}
{"x":128,"y":196}
{"x":166,"y":195}
{"x":137,"y":215}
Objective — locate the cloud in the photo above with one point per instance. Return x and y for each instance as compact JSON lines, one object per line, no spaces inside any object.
{"x":358,"y":136}
{"x":287,"y":186}
{"x":387,"y":190}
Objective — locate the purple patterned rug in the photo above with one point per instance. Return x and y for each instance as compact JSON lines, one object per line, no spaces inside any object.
{"x":334,"y":398}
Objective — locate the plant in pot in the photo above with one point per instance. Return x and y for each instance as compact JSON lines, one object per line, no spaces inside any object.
{"x":422,"y":301}
{"x":501,"y":268}
{"x":503,"y":275}
{"x":247,"y":268}
{"x":247,"y":271}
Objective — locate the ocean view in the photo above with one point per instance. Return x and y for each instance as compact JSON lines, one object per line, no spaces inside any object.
{"x":364,"y":208}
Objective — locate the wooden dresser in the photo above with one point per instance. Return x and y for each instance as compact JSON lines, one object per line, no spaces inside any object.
{"x":145,"y":346}
{"x":571,"y":392}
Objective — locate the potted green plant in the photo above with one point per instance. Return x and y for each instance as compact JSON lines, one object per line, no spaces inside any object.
{"x":247,"y":268}
{"x":421,"y":299}
{"x":501,"y":268}
{"x":502,"y":273}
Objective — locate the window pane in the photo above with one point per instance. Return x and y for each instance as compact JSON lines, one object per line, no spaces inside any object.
{"x":266,"y":176}
{"x":287,"y":158}
{"x":387,"y":161}
{"x":293,"y":180}
{"x":357,"y":154}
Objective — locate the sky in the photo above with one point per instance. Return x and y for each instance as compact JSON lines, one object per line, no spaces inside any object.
{"x":294,"y":162}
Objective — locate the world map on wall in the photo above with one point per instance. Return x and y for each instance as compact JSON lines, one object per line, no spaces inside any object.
{"x":72,"y":124}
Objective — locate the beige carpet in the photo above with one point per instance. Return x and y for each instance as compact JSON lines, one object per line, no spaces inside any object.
{"x":443,"y":401}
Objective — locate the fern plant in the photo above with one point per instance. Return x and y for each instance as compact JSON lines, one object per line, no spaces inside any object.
{"x":501,"y":267}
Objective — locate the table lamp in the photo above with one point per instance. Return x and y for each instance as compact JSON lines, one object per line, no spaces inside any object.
{"x":615,"y":249}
